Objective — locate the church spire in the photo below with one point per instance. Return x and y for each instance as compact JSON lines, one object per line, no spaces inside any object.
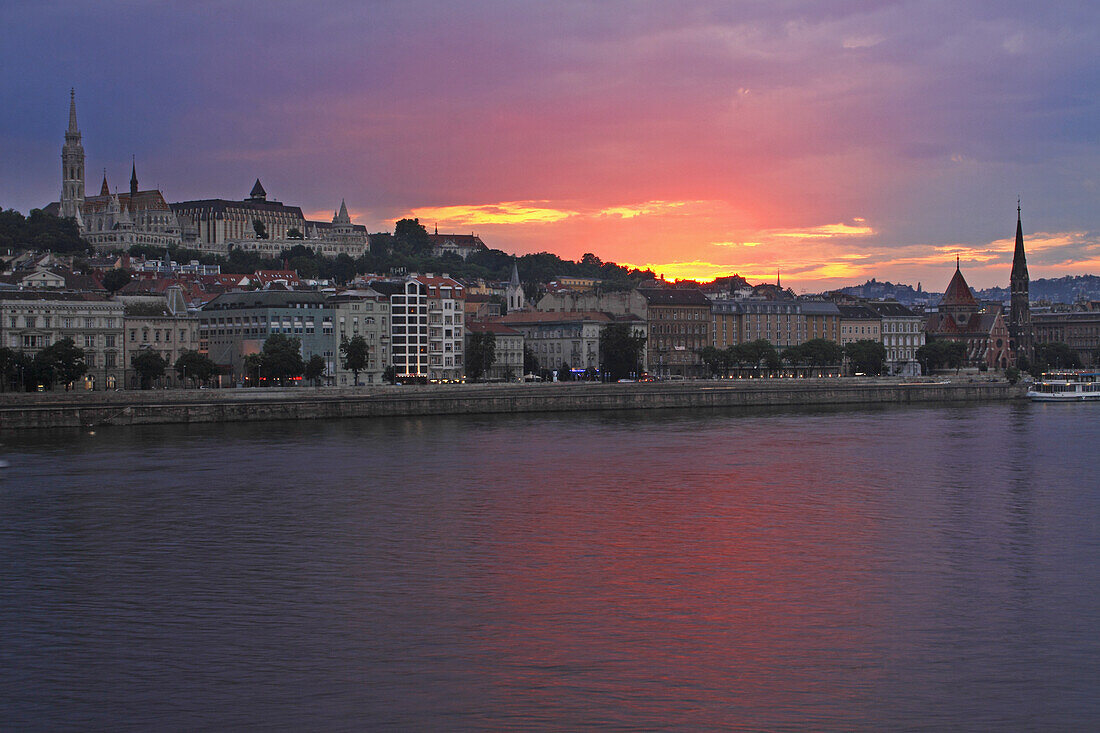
{"x":1021,"y":334}
{"x":133,"y":178}
{"x":72,"y":166}
{"x":1019,"y":258}
{"x":104,"y":190}
{"x":72,"y":110}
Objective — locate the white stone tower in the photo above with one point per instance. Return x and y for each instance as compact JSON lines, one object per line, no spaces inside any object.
{"x":72,"y":166}
{"x":514,"y":291}
{"x":341,"y":221}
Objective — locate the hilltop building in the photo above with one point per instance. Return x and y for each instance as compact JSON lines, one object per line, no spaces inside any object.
{"x":218,"y":225}
{"x":462,"y":245}
{"x":110,"y":220}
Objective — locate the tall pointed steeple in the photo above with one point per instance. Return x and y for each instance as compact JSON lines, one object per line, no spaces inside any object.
{"x":778,"y":283}
{"x":72,"y":165}
{"x":342,"y":216}
{"x":1019,"y":258}
{"x":133,"y":179}
{"x":72,"y":112}
{"x":104,"y":190}
{"x":1020,"y":333}
{"x":514,"y":292}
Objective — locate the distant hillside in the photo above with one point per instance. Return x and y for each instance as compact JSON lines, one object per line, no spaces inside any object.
{"x":900,"y":292}
{"x":1067,"y":289}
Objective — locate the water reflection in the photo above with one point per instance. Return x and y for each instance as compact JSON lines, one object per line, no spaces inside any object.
{"x":828,"y":569}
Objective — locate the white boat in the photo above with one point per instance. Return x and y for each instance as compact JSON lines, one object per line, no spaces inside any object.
{"x":1066,"y":386}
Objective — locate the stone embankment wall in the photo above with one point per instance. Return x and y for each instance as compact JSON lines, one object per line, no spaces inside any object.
{"x":86,"y":410}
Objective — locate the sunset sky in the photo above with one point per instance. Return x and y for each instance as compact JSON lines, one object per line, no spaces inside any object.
{"x":834,"y":141}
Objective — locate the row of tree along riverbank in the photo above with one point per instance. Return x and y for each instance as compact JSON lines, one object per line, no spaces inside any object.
{"x":72,"y":410}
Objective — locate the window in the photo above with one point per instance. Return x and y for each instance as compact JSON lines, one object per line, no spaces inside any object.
{"x":109,"y":341}
{"x":89,"y":341}
{"x":109,"y":359}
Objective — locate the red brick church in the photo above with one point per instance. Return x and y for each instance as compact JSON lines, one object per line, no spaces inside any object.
{"x":960,"y":317}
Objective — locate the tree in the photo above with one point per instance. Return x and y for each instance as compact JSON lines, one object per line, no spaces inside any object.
{"x":530,"y":361}
{"x":620,"y":350}
{"x":60,"y":363}
{"x":717,"y":361}
{"x":1012,"y":374}
{"x":821,"y":352}
{"x":260,"y":228}
{"x":253,"y":367}
{"x":9,"y":366}
{"x":343,"y":268}
{"x":761,"y":353}
{"x":315,"y":369}
{"x":294,"y":233}
{"x":282,"y":357}
{"x":149,"y":365}
{"x":410,"y":237}
{"x":116,"y":279}
{"x":389,"y":374}
{"x":1056,"y":355}
{"x":353,"y":355}
{"x":867,"y":356}
{"x":955,"y":353}
{"x":481,"y":354}
{"x":941,"y":352}
{"x":196,"y":366}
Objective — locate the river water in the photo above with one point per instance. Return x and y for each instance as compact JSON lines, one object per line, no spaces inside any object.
{"x":930,"y":567}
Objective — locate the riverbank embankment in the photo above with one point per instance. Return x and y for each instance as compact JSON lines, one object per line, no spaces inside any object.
{"x":84,"y":410}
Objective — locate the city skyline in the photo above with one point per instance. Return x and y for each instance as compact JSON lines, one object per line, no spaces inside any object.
{"x":834,"y":145}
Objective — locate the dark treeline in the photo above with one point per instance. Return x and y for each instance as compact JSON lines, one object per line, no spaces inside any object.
{"x":39,"y":231}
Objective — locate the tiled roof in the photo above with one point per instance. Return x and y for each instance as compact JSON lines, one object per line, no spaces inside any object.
{"x":674,"y":296}
{"x":144,"y":200}
{"x":958,"y":292}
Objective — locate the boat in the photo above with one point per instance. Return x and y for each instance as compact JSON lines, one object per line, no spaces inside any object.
{"x":1066,"y":386}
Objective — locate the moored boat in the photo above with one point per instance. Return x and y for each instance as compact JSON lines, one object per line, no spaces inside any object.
{"x":1066,"y":386}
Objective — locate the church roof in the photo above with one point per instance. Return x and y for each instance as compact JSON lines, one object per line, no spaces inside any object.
{"x":216,"y":206}
{"x":258,"y":191}
{"x":459,"y":240}
{"x":144,"y":200}
{"x":958,"y":292}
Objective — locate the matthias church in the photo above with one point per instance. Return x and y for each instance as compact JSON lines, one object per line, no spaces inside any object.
{"x":118,"y":221}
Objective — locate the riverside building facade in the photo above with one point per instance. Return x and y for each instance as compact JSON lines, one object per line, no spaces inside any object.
{"x":161,"y":324}
{"x":678,"y":323}
{"x":361,"y":312}
{"x":235,"y":325}
{"x":32,"y":320}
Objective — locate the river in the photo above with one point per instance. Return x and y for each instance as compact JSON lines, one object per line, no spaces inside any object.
{"x":925,"y":567}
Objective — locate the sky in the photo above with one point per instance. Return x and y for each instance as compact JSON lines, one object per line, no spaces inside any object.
{"x":829,"y":141}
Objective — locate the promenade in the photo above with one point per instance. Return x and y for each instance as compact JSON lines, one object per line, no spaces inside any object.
{"x":21,"y":411}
